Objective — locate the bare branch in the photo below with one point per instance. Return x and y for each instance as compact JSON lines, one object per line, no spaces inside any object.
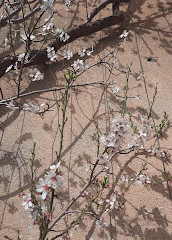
{"x":103,"y":5}
{"x":4,"y":21}
{"x":22,"y":19}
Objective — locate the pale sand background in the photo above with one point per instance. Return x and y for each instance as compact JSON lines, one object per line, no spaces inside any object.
{"x":147,"y":213}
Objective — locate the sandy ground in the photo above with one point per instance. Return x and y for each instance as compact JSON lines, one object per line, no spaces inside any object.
{"x":147,"y":213}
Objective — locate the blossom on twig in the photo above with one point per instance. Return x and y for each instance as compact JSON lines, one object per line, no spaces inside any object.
{"x":35,"y":74}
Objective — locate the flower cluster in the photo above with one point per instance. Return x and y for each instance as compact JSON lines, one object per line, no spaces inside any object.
{"x":83,"y":51}
{"x":68,"y":4}
{"x":20,"y":58}
{"x":11,"y":105}
{"x":52,"y":180}
{"x":101,"y":222}
{"x":143,"y":135}
{"x":139,"y":178}
{"x":30,"y":208}
{"x":51,"y":53}
{"x":64,"y":36}
{"x":124,"y":178}
{"x":67,"y":54}
{"x":32,"y":107}
{"x":104,"y":161}
{"x":47,"y":27}
{"x":142,"y":179}
{"x":39,"y":204}
{"x":78,"y":64}
{"x":61,"y":34}
{"x":35,"y":74}
{"x":114,"y":138}
{"x":25,"y":37}
{"x":113,"y":204}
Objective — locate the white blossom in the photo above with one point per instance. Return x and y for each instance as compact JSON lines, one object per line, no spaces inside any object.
{"x":124,"y":34}
{"x":114,"y":138}
{"x":7,"y":44}
{"x":137,"y":96}
{"x":11,"y":105}
{"x":55,"y":167}
{"x":89,"y":52}
{"x":67,"y":54}
{"x":25,"y":37}
{"x":47,"y":5}
{"x":124,"y":178}
{"x":142,"y":179}
{"x":27,"y":202}
{"x":48,"y":26}
{"x":51,"y":53}
{"x":30,"y":208}
{"x":68,"y":4}
{"x":162,"y":153}
{"x":78,"y":64}
{"x":87,"y":167}
{"x":33,"y":216}
{"x":20,"y":57}
{"x":143,"y":135}
{"x":140,"y":76}
{"x":54,"y":180}
{"x":101,"y":222}
{"x":9,"y":68}
{"x":43,"y":188}
{"x":30,"y":107}
{"x":115,"y":89}
{"x":44,"y":206}
{"x":146,"y":123}
{"x":137,"y":141}
{"x":113,"y":203}
{"x":64,"y":36}
{"x":35,"y":74}
{"x":58,"y":31}
{"x":81,"y":52}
